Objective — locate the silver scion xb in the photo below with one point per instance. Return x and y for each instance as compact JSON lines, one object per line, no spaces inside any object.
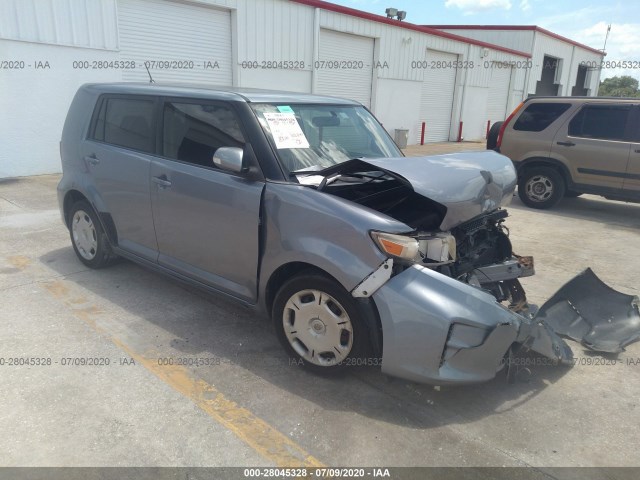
{"x":303,"y":207}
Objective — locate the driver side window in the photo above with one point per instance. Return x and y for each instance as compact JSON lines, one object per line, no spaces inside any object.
{"x":192,"y":132}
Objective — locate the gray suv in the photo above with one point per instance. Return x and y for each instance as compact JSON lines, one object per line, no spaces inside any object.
{"x":303,"y":208}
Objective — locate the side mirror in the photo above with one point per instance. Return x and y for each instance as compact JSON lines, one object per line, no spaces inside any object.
{"x":230,"y":159}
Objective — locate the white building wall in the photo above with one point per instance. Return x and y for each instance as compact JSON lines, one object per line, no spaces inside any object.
{"x":48,"y":36}
{"x":34,"y":101}
{"x":79,"y":23}
{"x":520,"y":40}
{"x":538,"y":45}
{"x":401,"y":48}
{"x":545,"y":45}
{"x":68,"y":31}
{"x":571,"y":57}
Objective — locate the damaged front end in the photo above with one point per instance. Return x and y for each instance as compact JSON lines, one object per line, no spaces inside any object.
{"x":449,"y":297}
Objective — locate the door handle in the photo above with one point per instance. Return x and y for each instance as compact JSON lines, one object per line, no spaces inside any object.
{"x":162,"y":181}
{"x":92,"y":159}
{"x":566,"y":144}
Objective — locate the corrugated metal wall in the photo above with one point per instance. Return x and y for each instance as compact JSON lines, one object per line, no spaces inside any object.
{"x":275,"y":30}
{"x":520,"y":40}
{"x":79,"y":23}
{"x":75,"y":34}
{"x":157,"y":33}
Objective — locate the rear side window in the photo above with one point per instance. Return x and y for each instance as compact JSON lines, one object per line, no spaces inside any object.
{"x":193,"y":132}
{"x":126,"y":123}
{"x":538,"y":116}
{"x":605,"y":122}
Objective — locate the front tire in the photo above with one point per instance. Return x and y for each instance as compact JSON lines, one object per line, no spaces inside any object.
{"x":319,"y":323}
{"x":541,"y":187}
{"x":88,"y":237}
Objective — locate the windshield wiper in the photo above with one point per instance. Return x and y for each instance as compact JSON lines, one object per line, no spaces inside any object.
{"x":306,"y":170}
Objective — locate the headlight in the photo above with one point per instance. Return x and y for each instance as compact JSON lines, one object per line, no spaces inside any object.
{"x":399,"y":246}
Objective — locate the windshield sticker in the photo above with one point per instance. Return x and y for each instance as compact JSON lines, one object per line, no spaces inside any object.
{"x":285,"y":109}
{"x":285,"y":130}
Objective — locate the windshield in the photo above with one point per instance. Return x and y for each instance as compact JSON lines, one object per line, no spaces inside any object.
{"x":318,"y":136}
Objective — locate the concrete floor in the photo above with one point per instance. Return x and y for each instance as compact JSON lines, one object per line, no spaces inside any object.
{"x":249,"y":406}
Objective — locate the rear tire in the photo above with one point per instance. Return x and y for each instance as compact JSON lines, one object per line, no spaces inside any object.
{"x":319,"y":324}
{"x":88,"y":238}
{"x":541,"y":187}
{"x":492,"y":137}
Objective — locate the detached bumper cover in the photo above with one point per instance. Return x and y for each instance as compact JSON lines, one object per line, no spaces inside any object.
{"x":590,"y":312}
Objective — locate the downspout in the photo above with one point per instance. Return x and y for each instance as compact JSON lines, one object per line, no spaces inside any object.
{"x":316,"y":50}
{"x":568,"y":91}
{"x":464,"y":91}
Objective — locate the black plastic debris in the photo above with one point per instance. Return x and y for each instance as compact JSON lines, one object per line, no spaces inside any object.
{"x":592,"y":313}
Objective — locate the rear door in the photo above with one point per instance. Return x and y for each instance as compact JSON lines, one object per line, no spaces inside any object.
{"x":631,"y":183}
{"x":206,"y":219}
{"x":595,"y":145}
{"x":118,"y":156}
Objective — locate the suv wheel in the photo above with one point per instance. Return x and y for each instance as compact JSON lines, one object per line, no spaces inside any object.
{"x":87,"y":236}
{"x":318,"y":323}
{"x":540,"y":187}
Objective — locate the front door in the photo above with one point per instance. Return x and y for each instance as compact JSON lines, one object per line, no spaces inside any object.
{"x":206,"y":219}
{"x":594,"y":144}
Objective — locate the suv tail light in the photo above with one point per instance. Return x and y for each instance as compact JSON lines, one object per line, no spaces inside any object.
{"x":506,"y":122}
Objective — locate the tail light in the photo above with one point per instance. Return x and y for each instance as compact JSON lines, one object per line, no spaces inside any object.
{"x":505,"y":123}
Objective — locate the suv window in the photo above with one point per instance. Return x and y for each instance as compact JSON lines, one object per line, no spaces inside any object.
{"x":193,"y":132}
{"x":606,"y":122}
{"x":538,"y":116}
{"x":126,"y":122}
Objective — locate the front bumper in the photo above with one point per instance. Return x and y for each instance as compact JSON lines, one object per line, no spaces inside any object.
{"x":442,"y":331}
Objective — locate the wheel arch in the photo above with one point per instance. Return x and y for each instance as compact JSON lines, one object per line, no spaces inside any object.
{"x":74,"y":196}
{"x":557,"y":165}
{"x":366,"y":306}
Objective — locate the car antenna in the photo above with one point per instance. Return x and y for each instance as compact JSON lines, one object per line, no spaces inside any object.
{"x":151,"y":80}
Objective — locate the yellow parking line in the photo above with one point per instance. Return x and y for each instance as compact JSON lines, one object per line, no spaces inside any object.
{"x":255,"y":432}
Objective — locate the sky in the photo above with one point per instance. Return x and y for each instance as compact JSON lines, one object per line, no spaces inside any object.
{"x":584,"y":21}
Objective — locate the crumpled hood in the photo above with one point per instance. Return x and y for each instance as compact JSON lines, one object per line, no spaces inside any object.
{"x":467,"y":184}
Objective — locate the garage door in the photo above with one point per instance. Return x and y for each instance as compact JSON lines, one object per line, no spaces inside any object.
{"x":498,"y":94}
{"x":345,"y":66}
{"x":437,"y":95}
{"x":175,"y":34}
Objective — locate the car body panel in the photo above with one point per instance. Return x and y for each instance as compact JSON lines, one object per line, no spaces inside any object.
{"x":304,"y":225}
{"x":125,"y":197}
{"x":468,"y":184}
{"x":417,"y":309}
{"x":631,"y":184}
{"x":207,"y":225}
{"x":520,"y":145}
{"x":584,"y":156}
